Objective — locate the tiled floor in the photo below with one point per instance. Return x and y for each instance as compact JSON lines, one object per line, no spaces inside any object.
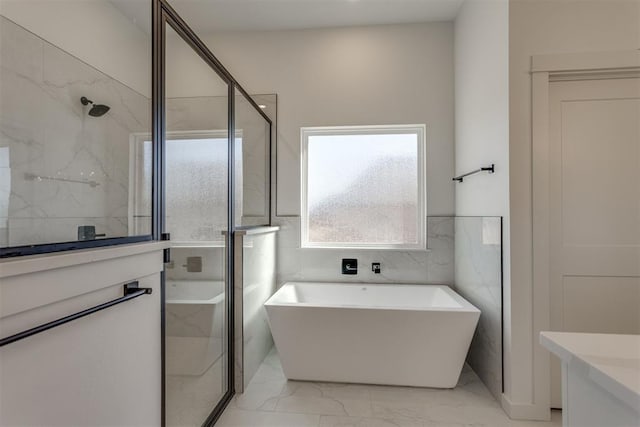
{"x":190,"y":398}
{"x":271,"y":400}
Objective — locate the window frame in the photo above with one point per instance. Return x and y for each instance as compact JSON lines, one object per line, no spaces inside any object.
{"x":415,"y":129}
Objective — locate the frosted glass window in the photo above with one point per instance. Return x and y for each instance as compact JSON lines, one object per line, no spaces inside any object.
{"x":363,"y":187}
{"x":196,"y":180}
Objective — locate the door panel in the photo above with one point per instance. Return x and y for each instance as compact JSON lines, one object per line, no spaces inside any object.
{"x":197,"y":218}
{"x":601,"y":304}
{"x":594,"y":188}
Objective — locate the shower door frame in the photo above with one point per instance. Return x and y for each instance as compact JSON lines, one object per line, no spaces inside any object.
{"x":163,"y":14}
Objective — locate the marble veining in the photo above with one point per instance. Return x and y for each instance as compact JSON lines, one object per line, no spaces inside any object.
{"x":432,"y":266}
{"x":478,"y":278}
{"x":271,"y":400}
{"x":255,"y":283}
{"x":48,"y":133}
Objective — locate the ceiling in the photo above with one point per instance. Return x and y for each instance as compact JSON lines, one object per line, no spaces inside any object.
{"x":206,"y":16}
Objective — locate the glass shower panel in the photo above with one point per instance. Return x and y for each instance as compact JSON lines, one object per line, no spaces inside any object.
{"x":68,"y":117}
{"x":196,"y":176}
{"x":252,"y":161}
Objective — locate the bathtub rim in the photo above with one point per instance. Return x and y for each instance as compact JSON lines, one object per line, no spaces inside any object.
{"x":467,"y":307}
{"x":214,"y":300}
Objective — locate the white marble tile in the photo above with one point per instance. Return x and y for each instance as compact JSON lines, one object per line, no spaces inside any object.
{"x":325,"y":399}
{"x":324,"y":405}
{"x":478,"y":272}
{"x":398,"y":409}
{"x":344,"y":391}
{"x":440,"y":241}
{"x":433,"y":266}
{"x":212,"y":263}
{"x":49,"y":134}
{"x":335,"y":421}
{"x":258,"y":284}
{"x":20,"y":50}
{"x":237,"y":417}
{"x":36,"y":230}
{"x":470,"y":404}
{"x":465,"y":415}
{"x":260,"y":396}
{"x":191,"y":398}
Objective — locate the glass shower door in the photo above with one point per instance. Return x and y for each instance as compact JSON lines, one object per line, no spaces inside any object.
{"x":197,"y":218}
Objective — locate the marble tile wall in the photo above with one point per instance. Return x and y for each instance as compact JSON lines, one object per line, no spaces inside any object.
{"x":5,"y":192}
{"x":213,"y":260}
{"x":255,"y":283}
{"x":433,"y":266}
{"x":478,"y":278}
{"x":48,"y":133}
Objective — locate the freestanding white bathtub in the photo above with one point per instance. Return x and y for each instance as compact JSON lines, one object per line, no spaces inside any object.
{"x":412,"y":335}
{"x":194,"y":325}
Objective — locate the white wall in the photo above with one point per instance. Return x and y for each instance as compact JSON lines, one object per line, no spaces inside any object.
{"x":395,"y":74}
{"x":482,"y":138}
{"x":187,"y":75}
{"x":542,"y":27}
{"x":392,"y":74}
{"x":92,"y":30}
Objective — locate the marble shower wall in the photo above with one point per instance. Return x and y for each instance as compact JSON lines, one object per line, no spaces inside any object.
{"x":478,"y":278}
{"x":45,"y":132}
{"x":255,"y":282}
{"x":433,"y":266}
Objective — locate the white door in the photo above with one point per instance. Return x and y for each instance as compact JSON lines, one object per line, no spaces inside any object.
{"x":594,"y":188}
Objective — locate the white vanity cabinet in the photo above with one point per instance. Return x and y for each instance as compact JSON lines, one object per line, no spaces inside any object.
{"x":600,"y":378}
{"x":102,"y":369}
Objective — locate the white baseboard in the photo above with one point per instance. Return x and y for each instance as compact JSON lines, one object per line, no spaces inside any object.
{"x":525,"y":411}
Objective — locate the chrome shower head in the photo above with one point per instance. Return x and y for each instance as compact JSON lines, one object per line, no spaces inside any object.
{"x":96,"y":110}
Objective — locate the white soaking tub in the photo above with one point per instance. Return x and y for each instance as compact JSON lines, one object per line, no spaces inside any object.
{"x":194,"y":325}
{"x":412,"y":335}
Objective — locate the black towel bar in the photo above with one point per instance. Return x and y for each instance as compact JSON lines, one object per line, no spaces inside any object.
{"x":489,"y":169}
{"x":131,"y":291}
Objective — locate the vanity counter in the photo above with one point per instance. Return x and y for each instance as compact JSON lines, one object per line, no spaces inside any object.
{"x":600,"y":377}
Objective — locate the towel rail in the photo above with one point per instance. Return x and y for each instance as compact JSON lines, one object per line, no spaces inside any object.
{"x":131,"y":291}
{"x":489,"y":169}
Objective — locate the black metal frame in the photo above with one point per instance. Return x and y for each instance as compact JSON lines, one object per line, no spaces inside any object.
{"x":502,"y":298}
{"x":164,"y":14}
{"x":490,"y":169}
{"x":130,"y":291}
{"x":17,"y":251}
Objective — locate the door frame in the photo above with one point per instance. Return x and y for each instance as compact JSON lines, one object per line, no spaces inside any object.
{"x":162,"y":15}
{"x":546,"y":69}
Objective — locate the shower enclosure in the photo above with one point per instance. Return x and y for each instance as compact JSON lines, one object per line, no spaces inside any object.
{"x":153,"y":141}
{"x":215,"y":154}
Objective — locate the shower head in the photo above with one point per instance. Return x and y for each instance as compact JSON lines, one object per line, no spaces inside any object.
{"x":97,"y":110}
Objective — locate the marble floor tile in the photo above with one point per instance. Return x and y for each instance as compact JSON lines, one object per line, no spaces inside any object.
{"x":333,"y":421}
{"x":190,"y":398}
{"x":271,"y":400}
{"x":324,"y":406}
{"x":397,"y":409}
{"x":233,"y":417}
{"x":262,"y":397}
